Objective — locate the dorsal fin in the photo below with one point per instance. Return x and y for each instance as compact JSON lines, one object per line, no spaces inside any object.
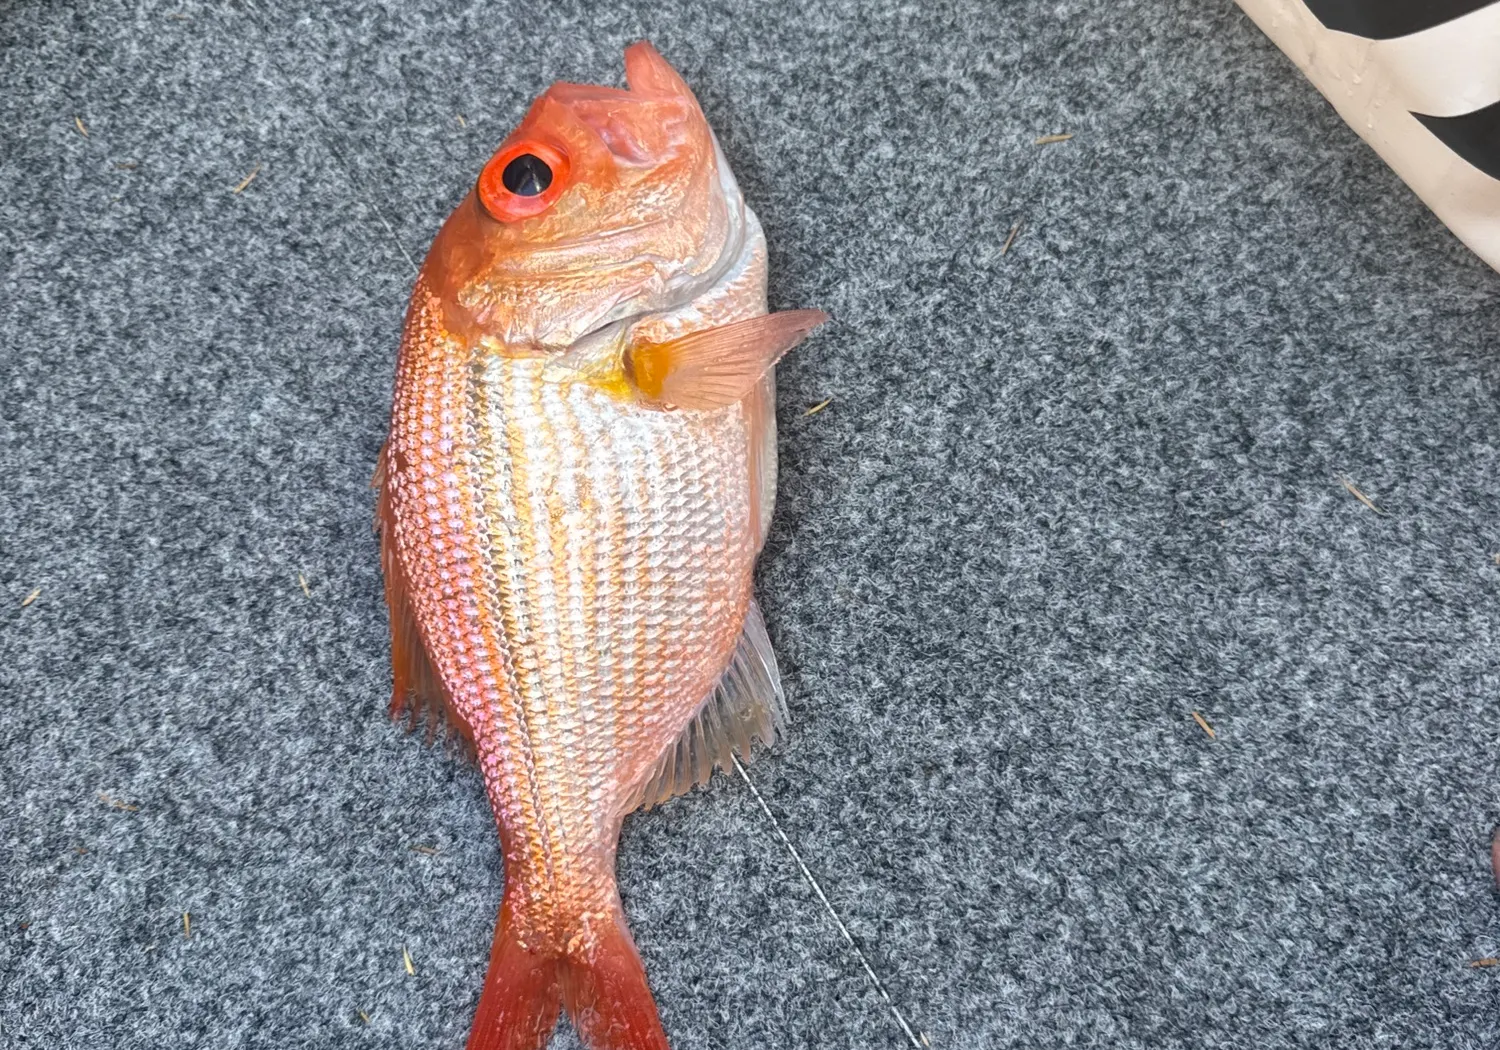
{"x":417,"y":694}
{"x":746,"y":705}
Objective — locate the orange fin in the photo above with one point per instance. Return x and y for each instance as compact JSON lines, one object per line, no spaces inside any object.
{"x":417,"y":693}
{"x":760,"y":410}
{"x":601,"y":981}
{"x":522,"y":996}
{"x":715,"y":367}
{"x":648,"y":73}
{"x":607,"y":996}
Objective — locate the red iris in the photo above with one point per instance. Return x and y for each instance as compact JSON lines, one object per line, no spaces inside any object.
{"x":523,"y":179}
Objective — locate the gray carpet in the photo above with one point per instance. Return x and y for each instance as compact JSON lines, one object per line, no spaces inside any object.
{"x":1063,"y":497}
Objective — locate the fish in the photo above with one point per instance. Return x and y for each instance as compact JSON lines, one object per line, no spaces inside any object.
{"x":579,"y":476}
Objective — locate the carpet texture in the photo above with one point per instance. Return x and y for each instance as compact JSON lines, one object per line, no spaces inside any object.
{"x":1064,"y":495}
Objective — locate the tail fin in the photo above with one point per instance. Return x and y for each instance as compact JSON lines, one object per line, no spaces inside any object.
{"x":604,"y":987}
{"x":607,"y":995}
{"x":522,"y":996}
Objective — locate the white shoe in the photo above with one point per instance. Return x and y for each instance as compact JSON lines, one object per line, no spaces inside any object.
{"x":1420,"y":81}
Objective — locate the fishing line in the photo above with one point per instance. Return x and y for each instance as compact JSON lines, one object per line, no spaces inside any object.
{"x":813,"y":882}
{"x":361,"y":191}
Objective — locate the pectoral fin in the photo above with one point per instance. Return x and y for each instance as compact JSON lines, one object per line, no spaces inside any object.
{"x":715,"y":367}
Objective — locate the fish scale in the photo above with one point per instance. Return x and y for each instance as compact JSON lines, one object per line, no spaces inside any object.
{"x":688,"y":520}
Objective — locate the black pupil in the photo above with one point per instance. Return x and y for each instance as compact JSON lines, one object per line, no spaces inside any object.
{"x":527,"y":175}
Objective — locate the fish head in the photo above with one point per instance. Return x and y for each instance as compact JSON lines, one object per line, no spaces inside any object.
{"x":602,"y":206}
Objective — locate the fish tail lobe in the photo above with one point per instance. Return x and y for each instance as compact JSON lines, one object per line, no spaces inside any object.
{"x":522,"y":995}
{"x":596,"y":973}
{"x":604,"y":988}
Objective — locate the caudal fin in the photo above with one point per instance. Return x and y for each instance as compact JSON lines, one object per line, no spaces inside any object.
{"x":522,"y":995}
{"x":607,"y":996}
{"x":603,"y":985}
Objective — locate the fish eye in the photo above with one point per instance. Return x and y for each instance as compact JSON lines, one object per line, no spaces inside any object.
{"x":522,"y":180}
{"x":527,"y":175}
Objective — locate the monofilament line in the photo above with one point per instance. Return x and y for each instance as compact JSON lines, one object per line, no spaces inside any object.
{"x":875,"y":981}
{"x":330,"y":137}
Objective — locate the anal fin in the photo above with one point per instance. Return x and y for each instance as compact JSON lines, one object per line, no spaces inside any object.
{"x":418,"y":695}
{"x":746,"y":705}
